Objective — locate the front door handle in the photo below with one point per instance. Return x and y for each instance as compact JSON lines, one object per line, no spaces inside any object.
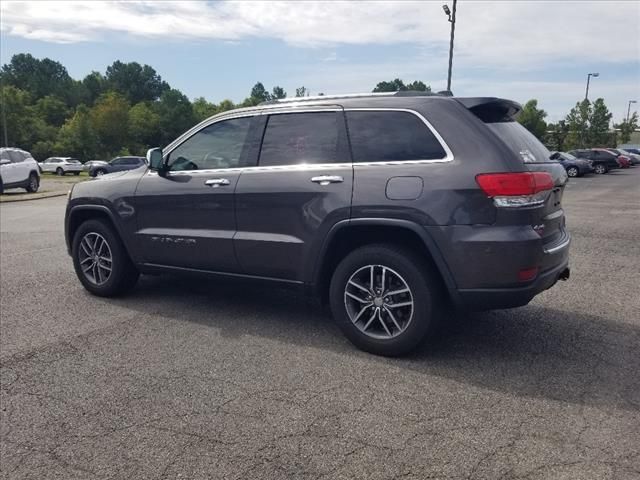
{"x":327,"y":179}
{"x":216,"y":182}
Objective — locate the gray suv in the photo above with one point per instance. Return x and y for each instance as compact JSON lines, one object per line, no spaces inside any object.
{"x":391,"y":207}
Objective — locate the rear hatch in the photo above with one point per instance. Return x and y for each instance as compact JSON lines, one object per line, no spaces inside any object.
{"x":528,"y":154}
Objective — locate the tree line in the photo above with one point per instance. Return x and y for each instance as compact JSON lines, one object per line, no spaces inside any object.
{"x":129,"y":108}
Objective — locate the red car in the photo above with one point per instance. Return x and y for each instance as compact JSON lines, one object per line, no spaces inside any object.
{"x":623,"y":160}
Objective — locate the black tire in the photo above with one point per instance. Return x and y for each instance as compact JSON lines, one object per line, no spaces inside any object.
{"x":124,"y":274}
{"x":76,"y":173}
{"x":601,"y":169}
{"x":1,"y":187}
{"x":60,"y":172}
{"x":573,"y":172}
{"x":424,"y":287}
{"x":34,"y":183}
{"x":99,"y":172}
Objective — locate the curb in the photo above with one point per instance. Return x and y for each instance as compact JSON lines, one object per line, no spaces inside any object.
{"x":26,"y":198}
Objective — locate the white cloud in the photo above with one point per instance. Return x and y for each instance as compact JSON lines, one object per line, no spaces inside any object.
{"x":495,"y":34}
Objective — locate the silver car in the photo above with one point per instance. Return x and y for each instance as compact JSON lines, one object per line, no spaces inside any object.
{"x":61,"y":165}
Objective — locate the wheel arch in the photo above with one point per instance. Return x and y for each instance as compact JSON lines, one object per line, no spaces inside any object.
{"x":347,"y":235}
{"x":81,"y":213}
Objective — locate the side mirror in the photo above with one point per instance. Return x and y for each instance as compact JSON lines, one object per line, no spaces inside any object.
{"x":5,"y":161}
{"x":154,"y":159}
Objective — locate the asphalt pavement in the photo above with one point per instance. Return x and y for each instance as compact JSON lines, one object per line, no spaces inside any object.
{"x":199,"y":379}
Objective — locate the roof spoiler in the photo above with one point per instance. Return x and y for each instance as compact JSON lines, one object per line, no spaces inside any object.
{"x":491,"y":109}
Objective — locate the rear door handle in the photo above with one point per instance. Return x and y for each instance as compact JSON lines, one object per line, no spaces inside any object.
{"x":216,"y":182}
{"x":327,"y":179}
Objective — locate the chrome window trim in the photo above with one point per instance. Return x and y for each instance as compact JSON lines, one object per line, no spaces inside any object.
{"x":284,"y":109}
{"x":448,"y":154}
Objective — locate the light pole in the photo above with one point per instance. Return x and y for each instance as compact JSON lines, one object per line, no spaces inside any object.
{"x":452,"y":20}
{"x":586,"y":94}
{"x":629,"y":108}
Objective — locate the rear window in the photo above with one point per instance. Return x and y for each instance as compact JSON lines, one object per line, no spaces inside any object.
{"x":521,"y":141}
{"x":294,"y":138}
{"x":391,"y":136}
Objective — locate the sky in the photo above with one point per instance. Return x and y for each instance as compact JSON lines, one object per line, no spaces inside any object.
{"x":512,"y":49}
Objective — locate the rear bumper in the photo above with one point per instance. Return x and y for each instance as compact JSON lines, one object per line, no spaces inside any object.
{"x":485,"y":261}
{"x":494,"y":298}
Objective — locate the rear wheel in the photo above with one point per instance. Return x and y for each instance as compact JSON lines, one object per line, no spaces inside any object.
{"x":572,"y":171}
{"x":101,"y":261}
{"x":600,"y":169}
{"x":384,"y":299}
{"x":34,"y":183}
{"x":59,"y":171}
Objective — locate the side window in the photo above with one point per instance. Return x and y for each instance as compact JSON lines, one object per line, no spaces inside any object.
{"x":382,"y":136}
{"x":16,"y":157}
{"x":294,"y":138}
{"x":218,"y":145}
{"x":4,"y":155}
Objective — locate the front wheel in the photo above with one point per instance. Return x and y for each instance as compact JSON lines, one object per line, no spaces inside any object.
{"x":33,"y":184}
{"x":99,"y":172}
{"x":385,"y":299}
{"x":101,"y":261}
{"x":572,"y":171}
{"x":600,"y":169}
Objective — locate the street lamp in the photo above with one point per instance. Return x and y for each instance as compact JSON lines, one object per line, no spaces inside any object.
{"x":586,"y":94}
{"x":629,"y":108}
{"x":452,"y":20}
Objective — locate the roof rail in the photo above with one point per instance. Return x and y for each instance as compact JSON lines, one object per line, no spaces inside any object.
{"x":406,"y":93}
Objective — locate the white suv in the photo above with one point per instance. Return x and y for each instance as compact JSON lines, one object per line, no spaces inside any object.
{"x":18,"y":169}
{"x":61,"y":165}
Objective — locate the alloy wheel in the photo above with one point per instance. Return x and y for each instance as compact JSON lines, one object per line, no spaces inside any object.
{"x":95,"y":258}
{"x":379,"y":301}
{"x":572,"y":172}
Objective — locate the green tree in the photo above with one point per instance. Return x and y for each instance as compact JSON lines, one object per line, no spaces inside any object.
{"x":397,"y":85}
{"x":95,"y":85}
{"x":203,"y":109}
{"x":626,"y":128}
{"x":278,"y":93}
{"x":110,"y":120}
{"x":52,"y":109}
{"x":418,"y":86}
{"x":598,"y":134}
{"x":176,"y":115}
{"x":136,"y":82}
{"x":38,"y":77}
{"x":225,"y":105}
{"x":144,"y":127}
{"x":259,"y":93}
{"x":77,"y":137}
{"x":302,"y":92}
{"x":532,"y":118}
{"x":577,"y":122}
{"x":556,"y":136}
{"x":15,"y":107}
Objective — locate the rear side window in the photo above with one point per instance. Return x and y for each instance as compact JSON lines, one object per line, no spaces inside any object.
{"x":382,"y":136}
{"x":17,"y":157}
{"x":299,"y":138}
{"x":520,"y":141}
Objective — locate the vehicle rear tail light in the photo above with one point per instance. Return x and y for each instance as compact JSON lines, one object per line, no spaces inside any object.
{"x":527,"y":274}
{"x":524,"y":189}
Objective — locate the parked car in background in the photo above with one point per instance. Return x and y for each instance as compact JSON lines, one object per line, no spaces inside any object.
{"x":118,"y":164}
{"x":623,"y":160}
{"x":633,"y":157}
{"x":18,"y":169}
{"x":635,"y":151}
{"x":575,"y":167}
{"x":61,"y":165}
{"x":90,"y":163}
{"x":422,"y":202}
{"x":603,"y":160}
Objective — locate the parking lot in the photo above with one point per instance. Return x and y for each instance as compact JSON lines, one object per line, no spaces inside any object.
{"x":208,"y":379}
